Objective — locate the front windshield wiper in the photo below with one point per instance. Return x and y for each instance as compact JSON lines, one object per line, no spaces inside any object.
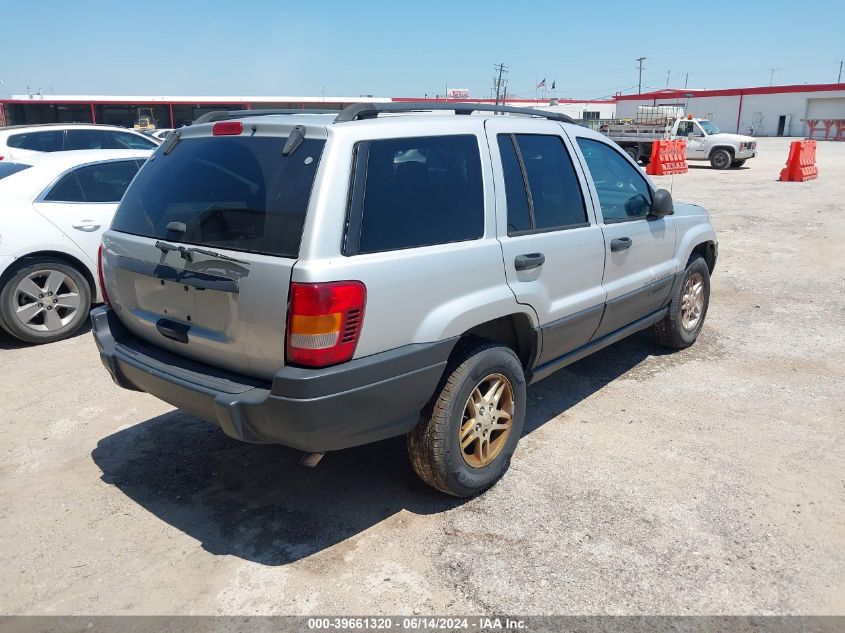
{"x":188,"y":253}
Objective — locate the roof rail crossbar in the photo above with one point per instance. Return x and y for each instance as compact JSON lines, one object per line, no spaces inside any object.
{"x":223,"y":115}
{"x":358,"y":111}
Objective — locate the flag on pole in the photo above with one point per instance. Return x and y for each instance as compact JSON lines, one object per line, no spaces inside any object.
{"x":542,"y":84}
{"x":553,"y":84}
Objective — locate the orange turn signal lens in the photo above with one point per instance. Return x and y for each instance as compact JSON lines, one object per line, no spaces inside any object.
{"x":317,"y":324}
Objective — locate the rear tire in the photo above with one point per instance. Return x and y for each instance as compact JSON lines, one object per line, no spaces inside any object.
{"x":687,"y":309}
{"x":738,"y":163}
{"x":721,"y":159}
{"x":633,"y":153}
{"x":447,"y":446}
{"x":45,"y":300}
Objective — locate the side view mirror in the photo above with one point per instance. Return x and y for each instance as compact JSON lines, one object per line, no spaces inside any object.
{"x":661,"y":204}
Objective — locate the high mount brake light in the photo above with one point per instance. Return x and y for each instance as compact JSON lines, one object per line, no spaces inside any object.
{"x":324,"y":322}
{"x":227,"y":128}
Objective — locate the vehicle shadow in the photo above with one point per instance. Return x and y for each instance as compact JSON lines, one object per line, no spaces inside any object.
{"x":256,"y":503}
{"x":9,"y":342}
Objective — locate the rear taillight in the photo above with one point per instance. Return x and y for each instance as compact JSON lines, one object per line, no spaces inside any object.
{"x":324,"y":322}
{"x":100,"y":276}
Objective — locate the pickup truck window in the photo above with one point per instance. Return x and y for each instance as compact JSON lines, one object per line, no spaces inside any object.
{"x":540,"y":179}
{"x":623,"y":192}
{"x":709,"y":127}
{"x":688,"y":127}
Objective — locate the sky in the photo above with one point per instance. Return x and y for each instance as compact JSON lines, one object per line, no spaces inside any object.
{"x":352,"y":48}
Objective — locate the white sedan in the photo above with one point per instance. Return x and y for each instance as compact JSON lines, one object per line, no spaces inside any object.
{"x":55,"y":208}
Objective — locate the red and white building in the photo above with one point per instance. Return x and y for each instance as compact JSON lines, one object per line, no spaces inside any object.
{"x":761,"y":111}
{"x":174,"y":111}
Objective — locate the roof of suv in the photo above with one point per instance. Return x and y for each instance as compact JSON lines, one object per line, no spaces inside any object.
{"x":369,"y":114}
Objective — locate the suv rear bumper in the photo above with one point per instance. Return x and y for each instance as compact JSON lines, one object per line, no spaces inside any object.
{"x":362,"y":401}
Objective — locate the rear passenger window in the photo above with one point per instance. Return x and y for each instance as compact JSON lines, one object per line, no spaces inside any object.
{"x":540,"y":183}
{"x":48,"y":141}
{"x":519,"y":214}
{"x":106,"y":182}
{"x":87,"y":139}
{"x":66,"y":190}
{"x":415,"y":192}
{"x":103,"y":182}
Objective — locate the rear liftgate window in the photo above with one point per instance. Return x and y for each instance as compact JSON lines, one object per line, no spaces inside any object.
{"x":410,"y":192}
{"x":235,"y":193}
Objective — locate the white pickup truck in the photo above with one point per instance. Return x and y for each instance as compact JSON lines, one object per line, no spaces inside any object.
{"x":704,"y":140}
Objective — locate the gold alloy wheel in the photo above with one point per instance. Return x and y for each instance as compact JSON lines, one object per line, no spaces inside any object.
{"x":692,"y":302}
{"x":487,"y":420}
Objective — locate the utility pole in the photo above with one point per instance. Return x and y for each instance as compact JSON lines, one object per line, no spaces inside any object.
{"x":640,"y":80}
{"x":772,"y":75}
{"x":838,"y":79}
{"x":500,"y":70}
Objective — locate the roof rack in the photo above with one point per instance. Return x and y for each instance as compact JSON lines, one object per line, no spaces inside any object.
{"x":372,"y":110}
{"x":223,"y":115}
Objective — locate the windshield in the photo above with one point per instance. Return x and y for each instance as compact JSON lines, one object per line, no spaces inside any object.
{"x":708,"y":127}
{"x":236,"y":193}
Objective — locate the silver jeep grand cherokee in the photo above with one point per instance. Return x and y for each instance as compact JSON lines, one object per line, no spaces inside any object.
{"x":327,"y":280}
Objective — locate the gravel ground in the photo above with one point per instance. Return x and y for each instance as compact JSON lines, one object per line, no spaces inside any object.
{"x":705,"y":481}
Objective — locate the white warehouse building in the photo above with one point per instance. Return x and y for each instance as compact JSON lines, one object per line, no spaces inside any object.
{"x":761,"y":111}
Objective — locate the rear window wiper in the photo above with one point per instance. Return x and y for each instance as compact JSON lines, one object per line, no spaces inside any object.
{"x":188,"y":253}
{"x":203,"y":251}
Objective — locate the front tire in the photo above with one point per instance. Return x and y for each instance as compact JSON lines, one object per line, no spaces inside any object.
{"x":738,"y":163}
{"x":688,"y":308}
{"x":467,"y":434}
{"x":721,"y":159}
{"x":45,"y":300}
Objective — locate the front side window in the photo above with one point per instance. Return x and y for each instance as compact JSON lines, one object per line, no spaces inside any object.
{"x":623,"y":192}
{"x":416,"y":192}
{"x":541,"y":186}
{"x":47,"y":141}
{"x":127,"y":140}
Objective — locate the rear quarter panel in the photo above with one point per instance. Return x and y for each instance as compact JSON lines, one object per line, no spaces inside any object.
{"x":414,"y":295}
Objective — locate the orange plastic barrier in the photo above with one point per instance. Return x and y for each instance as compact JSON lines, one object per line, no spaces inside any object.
{"x":801,"y":163}
{"x":668,"y":157}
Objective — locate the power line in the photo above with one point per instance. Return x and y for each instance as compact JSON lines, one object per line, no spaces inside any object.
{"x":640,"y":80}
{"x":500,"y":69}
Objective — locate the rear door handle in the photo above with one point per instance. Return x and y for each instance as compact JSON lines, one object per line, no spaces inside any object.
{"x":86,"y":225}
{"x":620,"y":244}
{"x":529,"y":261}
